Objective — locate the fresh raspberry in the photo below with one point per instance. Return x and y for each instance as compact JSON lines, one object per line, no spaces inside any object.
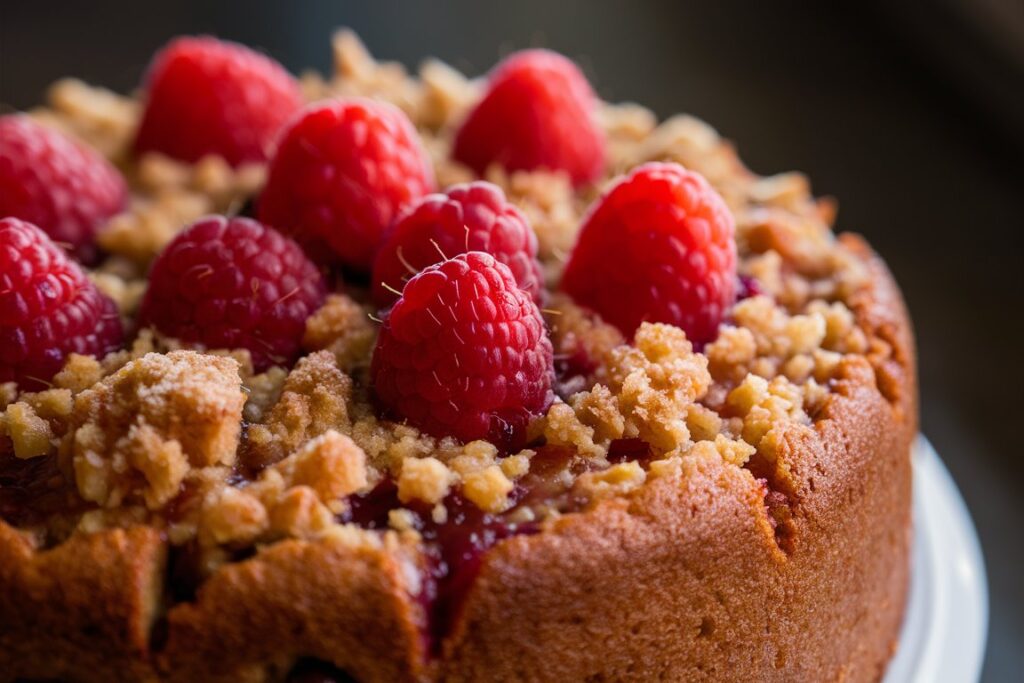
{"x":208,"y":96}
{"x":468,"y":217}
{"x":538,"y":112}
{"x":463,"y":353}
{"x":233,"y":283}
{"x":657,"y":247}
{"x":65,"y":188}
{"x":48,"y":308}
{"x":342,"y":172}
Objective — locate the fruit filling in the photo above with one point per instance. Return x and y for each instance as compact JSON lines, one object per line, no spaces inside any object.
{"x":453,"y":549}
{"x":453,"y":312}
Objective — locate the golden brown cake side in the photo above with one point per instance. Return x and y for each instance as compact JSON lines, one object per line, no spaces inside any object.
{"x":324,"y":599}
{"x":82,"y":611}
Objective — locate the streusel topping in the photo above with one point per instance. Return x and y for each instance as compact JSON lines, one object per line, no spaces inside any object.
{"x":195,"y":443}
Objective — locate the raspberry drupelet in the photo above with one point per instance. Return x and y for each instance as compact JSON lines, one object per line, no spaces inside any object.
{"x":342,"y":171}
{"x":658,"y":247}
{"x":467,"y":217}
{"x":229,"y":283}
{"x":537,"y":113}
{"x":208,"y":96}
{"x":464,"y":353}
{"x":48,"y":308}
{"x":63,"y":187}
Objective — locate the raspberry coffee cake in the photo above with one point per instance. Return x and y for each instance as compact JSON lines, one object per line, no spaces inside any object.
{"x":385,"y":377}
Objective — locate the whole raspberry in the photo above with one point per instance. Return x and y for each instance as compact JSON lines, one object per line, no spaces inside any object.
{"x":208,"y":96}
{"x":657,"y":247}
{"x":48,"y":308}
{"x":233,"y":283}
{"x":464,"y":353}
{"x":469,"y":217}
{"x":342,"y":172}
{"x":538,"y":112}
{"x":63,"y":187}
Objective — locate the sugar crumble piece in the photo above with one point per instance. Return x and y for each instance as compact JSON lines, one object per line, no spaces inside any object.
{"x":563,"y":426}
{"x":332,"y":465}
{"x":299,"y":513}
{"x":230,"y":515}
{"x":8,"y":393}
{"x":763,"y":405}
{"x":487,"y":488}
{"x":617,"y":480}
{"x":426,"y":479}
{"x":30,"y":435}
{"x":138,"y":431}
{"x":357,"y":73}
{"x":550,"y":206}
{"x":103,"y":119}
{"x":402,"y":519}
{"x":473,"y":457}
{"x":655,"y":379}
{"x":126,"y":294}
{"x":703,"y":422}
{"x":734,"y":451}
{"x":79,"y":373}
{"x":735,"y":348}
{"x":313,"y":400}
{"x":447,"y":94}
{"x":516,"y":466}
{"x":344,"y":328}
{"x":645,"y":391}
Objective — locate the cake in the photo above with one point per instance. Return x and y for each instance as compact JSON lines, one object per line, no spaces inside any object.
{"x":384,"y":377}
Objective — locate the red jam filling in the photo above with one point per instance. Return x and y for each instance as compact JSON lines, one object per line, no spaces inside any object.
{"x":454,"y":549}
{"x":749,"y":287}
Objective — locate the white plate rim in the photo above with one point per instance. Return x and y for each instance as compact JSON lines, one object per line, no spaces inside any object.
{"x":946,"y":623}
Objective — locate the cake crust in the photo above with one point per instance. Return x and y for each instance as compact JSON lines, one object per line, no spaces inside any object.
{"x":83,"y":610}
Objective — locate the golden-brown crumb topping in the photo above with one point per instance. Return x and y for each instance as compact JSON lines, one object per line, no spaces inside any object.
{"x":137,"y":433}
{"x":197,"y":445}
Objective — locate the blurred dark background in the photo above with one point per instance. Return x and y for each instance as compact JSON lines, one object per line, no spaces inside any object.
{"x":912,"y":114}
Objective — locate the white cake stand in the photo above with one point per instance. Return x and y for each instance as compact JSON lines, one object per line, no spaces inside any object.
{"x":943,"y":636}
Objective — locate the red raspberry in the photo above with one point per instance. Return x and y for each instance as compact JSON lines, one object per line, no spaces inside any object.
{"x":468,"y":217}
{"x":232,"y":283}
{"x":48,"y":308}
{"x":208,"y":96}
{"x":342,"y":172}
{"x":464,"y":353}
{"x":657,"y":247}
{"x":61,"y":186}
{"x":538,"y":112}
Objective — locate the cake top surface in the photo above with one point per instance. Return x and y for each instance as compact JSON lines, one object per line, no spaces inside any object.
{"x":518,"y":317}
